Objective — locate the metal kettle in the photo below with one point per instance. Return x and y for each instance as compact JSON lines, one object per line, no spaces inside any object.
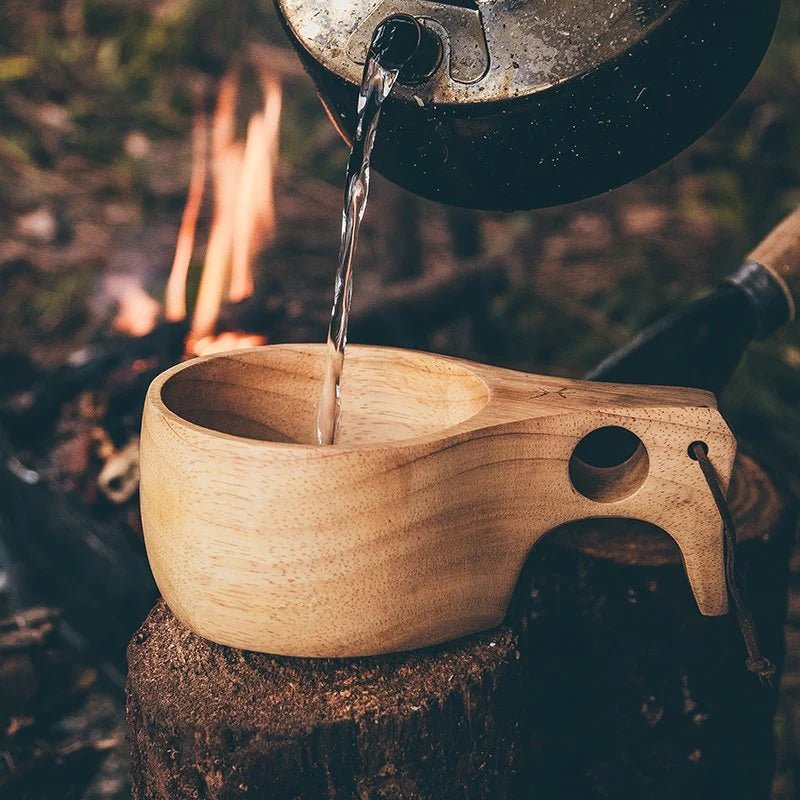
{"x":532,"y":103}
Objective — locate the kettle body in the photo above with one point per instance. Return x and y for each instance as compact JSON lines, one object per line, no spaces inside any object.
{"x":537,"y":104}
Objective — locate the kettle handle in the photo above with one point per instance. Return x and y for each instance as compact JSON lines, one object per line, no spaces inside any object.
{"x":779,"y":254}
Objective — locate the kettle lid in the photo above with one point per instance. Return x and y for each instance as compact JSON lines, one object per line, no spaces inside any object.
{"x":494,"y":50}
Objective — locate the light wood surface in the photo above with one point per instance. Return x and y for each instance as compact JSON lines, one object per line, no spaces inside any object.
{"x":413,"y":528}
{"x":756,"y":504}
{"x":779,"y":252}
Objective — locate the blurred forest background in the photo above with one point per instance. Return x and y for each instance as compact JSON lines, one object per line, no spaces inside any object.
{"x":97,"y":101}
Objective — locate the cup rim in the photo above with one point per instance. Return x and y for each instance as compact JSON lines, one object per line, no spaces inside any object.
{"x":154,"y":402}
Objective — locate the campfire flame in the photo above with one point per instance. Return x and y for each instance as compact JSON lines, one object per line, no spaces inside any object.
{"x":254,"y":223}
{"x":175,"y":294}
{"x":244,"y":206}
{"x":226,"y":165}
{"x":242,"y":221}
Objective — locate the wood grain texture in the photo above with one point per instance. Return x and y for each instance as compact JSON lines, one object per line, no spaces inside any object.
{"x":779,"y":252}
{"x":757,"y":505}
{"x":413,"y":528}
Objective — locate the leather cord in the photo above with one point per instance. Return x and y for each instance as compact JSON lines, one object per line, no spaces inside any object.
{"x":755,"y":663}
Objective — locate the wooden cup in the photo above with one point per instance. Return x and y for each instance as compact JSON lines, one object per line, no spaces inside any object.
{"x":413,"y":528}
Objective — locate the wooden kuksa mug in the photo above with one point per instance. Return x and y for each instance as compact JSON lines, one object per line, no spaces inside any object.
{"x":413,"y":528}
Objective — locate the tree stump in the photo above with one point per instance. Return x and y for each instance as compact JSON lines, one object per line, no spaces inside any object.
{"x":207,"y":721}
{"x":605,"y":683}
{"x":635,"y":694}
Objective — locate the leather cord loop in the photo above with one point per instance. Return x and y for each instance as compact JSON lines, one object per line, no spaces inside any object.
{"x":755,"y":663}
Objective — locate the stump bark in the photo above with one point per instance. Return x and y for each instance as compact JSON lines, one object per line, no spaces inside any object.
{"x":605,"y":683}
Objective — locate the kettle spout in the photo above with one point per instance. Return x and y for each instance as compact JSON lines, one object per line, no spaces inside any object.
{"x":458,"y":23}
{"x":402,"y":43}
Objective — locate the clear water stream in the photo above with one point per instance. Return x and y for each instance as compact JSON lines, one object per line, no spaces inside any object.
{"x":377,"y":83}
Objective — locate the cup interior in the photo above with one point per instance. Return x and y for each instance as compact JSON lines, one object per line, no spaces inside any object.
{"x":271,"y":393}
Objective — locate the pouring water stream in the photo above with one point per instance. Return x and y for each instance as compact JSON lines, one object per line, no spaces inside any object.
{"x":392,"y":46}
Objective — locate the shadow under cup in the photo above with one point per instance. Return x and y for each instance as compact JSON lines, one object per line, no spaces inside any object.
{"x":270,"y":394}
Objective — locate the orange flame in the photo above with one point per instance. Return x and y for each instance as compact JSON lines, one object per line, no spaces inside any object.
{"x":243,"y":217}
{"x":175,"y":293}
{"x":254,"y":222}
{"x":244,"y":210}
{"x":137,"y":313}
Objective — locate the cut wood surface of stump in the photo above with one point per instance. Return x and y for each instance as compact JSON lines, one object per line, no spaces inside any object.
{"x":605,"y":682}
{"x":207,"y":721}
